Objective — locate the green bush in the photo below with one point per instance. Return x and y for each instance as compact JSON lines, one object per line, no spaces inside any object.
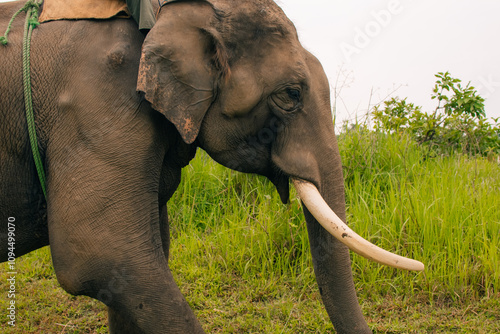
{"x":458,"y":123}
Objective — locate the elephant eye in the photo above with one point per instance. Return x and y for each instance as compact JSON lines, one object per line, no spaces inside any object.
{"x":294,"y":94}
{"x":288,"y":99}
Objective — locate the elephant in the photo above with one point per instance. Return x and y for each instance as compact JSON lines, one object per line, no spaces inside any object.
{"x":119,"y":113}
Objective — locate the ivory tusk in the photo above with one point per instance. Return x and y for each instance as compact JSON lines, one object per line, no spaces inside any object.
{"x":315,"y":203}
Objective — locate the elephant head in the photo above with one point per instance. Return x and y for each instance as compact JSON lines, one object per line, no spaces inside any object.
{"x":234,"y":80}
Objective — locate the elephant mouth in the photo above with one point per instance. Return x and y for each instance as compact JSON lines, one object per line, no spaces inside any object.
{"x":282,"y":184}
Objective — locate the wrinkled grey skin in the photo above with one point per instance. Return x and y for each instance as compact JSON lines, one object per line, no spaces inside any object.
{"x":227,"y":76}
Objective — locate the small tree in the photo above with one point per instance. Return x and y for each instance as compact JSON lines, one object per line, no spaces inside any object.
{"x":457,"y":124}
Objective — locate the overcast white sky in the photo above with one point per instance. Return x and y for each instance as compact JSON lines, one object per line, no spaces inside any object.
{"x":376,"y":46}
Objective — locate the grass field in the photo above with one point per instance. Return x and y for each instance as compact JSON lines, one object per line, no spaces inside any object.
{"x":242,"y":258}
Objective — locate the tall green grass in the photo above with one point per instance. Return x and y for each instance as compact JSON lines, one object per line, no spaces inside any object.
{"x":443,"y":211}
{"x":235,"y":223}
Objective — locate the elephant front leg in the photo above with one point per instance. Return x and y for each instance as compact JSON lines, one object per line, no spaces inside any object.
{"x":123,"y":265}
{"x":106,"y":243}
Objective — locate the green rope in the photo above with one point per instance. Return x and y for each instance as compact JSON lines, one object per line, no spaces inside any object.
{"x":31,"y":23}
{"x":31,"y":8}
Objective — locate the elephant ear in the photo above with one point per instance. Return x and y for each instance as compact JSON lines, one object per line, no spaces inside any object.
{"x":181,"y":61}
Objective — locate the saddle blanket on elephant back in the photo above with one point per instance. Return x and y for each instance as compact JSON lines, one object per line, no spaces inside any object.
{"x":83,"y":9}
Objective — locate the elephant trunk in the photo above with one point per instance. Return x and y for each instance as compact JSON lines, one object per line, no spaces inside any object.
{"x":331,"y":260}
{"x":330,"y":239}
{"x":332,"y":267}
